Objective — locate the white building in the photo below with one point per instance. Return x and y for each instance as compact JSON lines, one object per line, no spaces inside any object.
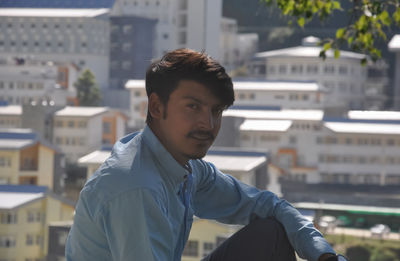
{"x":305,"y":146}
{"x":181,"y":23}
{"x":235,"y":49}
{"x":394,"y":46}
{"x":280,"y":94}
{"x":25,"y":81}
{"x":78,"y":36}
{"x":344,"y":78}
{"x":78,"y":130}
{"x":10,"y":116}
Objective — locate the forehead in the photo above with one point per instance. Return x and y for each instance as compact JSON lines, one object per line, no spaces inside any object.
{"x":193,"y":89}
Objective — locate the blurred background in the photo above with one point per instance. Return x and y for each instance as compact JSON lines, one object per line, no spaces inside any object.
{"x":323,"y":134}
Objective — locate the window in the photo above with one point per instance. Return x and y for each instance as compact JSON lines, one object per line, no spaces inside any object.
{"x":62,"y":237}
{"x":182,"y":38}
{"x":29,"y":240}
{"x":182,"y":21}
{"x":127,"y":29}
{"x":5,"y":162}
{"x":297,"y":68}
{"x":9,"y":218}
{"x":82,"y":124}
{"x":7,"y":242}
{"x":191,"y":248}
{"x":207,"y":248}
{"x":282,"y":69}
{"x":71,"y":124}
{"x":292,"y":140}
{"x":106,"y":127}
{"x":126,"y":65}
{"x":312,"y":69}
{"x":30,"y":217}
{"x":329,"y":69}
{"x":126,"y":47}
{"x":343,"y":69}
{"x":59,"y":123}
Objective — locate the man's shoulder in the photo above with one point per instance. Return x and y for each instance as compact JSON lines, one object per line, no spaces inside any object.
{"x":127,"y":169}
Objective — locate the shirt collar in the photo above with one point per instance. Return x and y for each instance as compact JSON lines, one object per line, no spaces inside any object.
{"x":174,"y":171}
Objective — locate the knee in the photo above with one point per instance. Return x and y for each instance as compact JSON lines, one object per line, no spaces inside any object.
{"x":268,"y":228}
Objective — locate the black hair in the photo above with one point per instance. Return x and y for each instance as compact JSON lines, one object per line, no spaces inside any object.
{"x":164,"y":75}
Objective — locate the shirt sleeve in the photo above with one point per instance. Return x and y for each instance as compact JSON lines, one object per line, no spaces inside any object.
{"x":122,"y":230}
{"x":224,"y":198}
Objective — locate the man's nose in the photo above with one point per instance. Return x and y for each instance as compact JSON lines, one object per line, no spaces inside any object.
{"x":207,"y":120}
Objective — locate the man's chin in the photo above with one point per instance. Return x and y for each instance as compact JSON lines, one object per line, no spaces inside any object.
{"x":197,"y":155}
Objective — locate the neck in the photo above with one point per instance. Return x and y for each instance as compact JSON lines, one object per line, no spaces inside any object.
{"x":156,"y":130}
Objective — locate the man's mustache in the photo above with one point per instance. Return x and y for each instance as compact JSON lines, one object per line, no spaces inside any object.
{"x":202,"y":134}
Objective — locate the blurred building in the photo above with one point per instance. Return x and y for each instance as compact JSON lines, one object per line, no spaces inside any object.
{"x":236,"y":49}
{"x":264,"y":94}
{"x":25,"y":81}
{"x":10,"y":116}
{"x":77,"y":36}
{"x":78,"y":130}
{"x":344,"y":79}
{"x":25,"y":214}
{"x":58,"y":233}
{"x":181,"y":23}
{"x":26,"y":159}
{"x":361,"y":148}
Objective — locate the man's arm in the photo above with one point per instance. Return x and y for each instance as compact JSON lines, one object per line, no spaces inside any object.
{"x":127,"y":227}
{"x":236,"y":203}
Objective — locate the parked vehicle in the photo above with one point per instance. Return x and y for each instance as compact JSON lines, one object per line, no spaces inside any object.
{"x":380,"y":230}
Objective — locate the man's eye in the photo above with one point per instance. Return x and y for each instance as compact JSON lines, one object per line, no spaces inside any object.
{"x":193,"y":106}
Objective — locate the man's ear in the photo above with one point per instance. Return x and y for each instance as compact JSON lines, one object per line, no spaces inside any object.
{"x":156,"y":107}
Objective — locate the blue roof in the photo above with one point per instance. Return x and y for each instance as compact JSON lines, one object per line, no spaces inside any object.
{"x":255,"y":107}
{"x":56,"y":3}
{"x":340,"y":119}
{"x":18,"y":135}
{"x":23,"y":188}
{"x":233,"y":152}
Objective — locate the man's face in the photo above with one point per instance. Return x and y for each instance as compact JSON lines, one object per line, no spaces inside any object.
{"x":189,"y":123}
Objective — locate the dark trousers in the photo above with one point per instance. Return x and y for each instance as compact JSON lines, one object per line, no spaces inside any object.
{"x":261,"y":240}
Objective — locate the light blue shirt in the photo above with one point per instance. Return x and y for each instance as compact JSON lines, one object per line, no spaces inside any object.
{"x":133,"y":207}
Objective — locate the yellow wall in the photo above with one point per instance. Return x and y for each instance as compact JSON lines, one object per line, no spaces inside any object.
{"x":51,"y":210}
{"x":10,"y":173}
{"x":44,"y":171}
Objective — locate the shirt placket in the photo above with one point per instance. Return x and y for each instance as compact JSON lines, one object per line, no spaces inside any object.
{"x":185,"y":193}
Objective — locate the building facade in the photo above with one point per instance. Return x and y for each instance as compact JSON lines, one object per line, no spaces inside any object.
{"x":78,"y":36}
{"x":181,"y":23}
{"x":308,"y":147}
{"x":26,"y":81}
{"x":26,"y":159}
{"x":25,"y":214}
{"x":343,"y":79}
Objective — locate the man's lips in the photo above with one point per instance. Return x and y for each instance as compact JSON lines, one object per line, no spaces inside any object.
{"x":201,"y":135}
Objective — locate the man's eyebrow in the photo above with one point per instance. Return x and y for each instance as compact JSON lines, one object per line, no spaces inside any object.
{"x":193,"y":98}
{"x":219,"y":106}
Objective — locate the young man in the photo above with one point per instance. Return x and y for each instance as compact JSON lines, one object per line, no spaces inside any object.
{"x":140,"y":204}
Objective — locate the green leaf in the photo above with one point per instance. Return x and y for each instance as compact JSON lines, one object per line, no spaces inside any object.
{"x":396,"y":16}
{"x":337,"y":53}
{"x":350,"y":40}
{"x":301,"y":21}
{"x":384,"y":17}
{"x":340,"y":33}
{"x":364,"y":61}
{"x":327,"y":46}
{"x":336,"y":5}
